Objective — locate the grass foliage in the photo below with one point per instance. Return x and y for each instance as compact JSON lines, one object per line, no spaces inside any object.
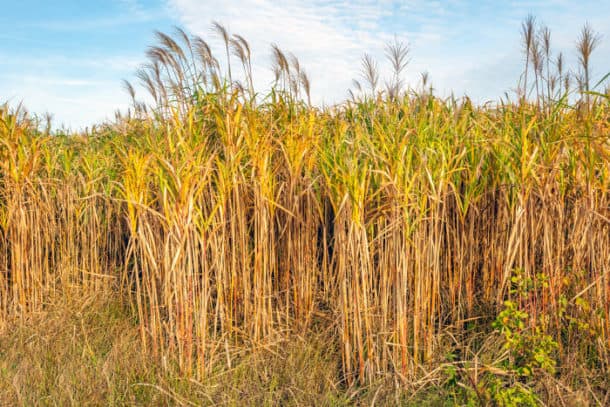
{"x":217,"y":245}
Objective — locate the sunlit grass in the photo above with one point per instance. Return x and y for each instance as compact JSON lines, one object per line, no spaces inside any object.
{"x":229,"y":222}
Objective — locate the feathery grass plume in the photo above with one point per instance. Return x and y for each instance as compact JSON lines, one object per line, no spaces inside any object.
{"x":244,"y":44}
{"x":130,"y":90}
{"x":306,"y":85}
{"x":222,"y":32}
{"x":397,"y":53}
{"x":184,"y":37}
{"x":567,"y":80}
{"x":586,"y":44}
{"x":145,"y":80}
{"x":425,"y":78}
{"x":281,"y":68}
{"x":545,"y":41}
{"x":209,"y":72}
{"x":352,"y":94}
{"x":204,"y":52}
{"x":241,"y":49}
{"x":559,"y":64}
{"x":295,"y":75}
{"x":370,"y":73}
{"x":170,"y":45}
{"x":528,"y":28}
{"x":188,"y":45}
{"x":537,"y":60}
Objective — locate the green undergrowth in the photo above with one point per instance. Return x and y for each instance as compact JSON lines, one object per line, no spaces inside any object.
{"x":87,"y":352}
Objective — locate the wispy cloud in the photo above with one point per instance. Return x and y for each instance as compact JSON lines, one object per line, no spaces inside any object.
{"x":94,"y":23}
{"x":120,"y":13}
{"x":91,"y":64}
{"x":329,"y":37}
{"x":71,"y":62}
{"x":467,"y":47}
{"x":54,"y":81}
{"x":72,"y":103}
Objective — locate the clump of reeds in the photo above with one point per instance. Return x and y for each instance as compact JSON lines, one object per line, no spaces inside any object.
{"x":232,"y":220}
{"x":58,"y":228}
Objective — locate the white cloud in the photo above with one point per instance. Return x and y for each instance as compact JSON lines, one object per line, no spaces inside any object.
{"x":89,"y":94}
{"x":468,"y":48}
{"x":95,"y":23}
{"x":73,"y":103}
{"x":327,"y":37}
{"x":131,"y":12}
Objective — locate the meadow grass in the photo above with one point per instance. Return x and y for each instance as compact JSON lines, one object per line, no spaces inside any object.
{"x":353,"y":254}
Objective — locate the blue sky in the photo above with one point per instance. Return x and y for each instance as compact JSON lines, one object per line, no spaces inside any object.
{"x":68,"y":57}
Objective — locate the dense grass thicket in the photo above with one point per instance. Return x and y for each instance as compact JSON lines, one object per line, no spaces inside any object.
{"x":408,"y":245}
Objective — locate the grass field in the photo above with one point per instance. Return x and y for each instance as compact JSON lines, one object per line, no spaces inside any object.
{"x":215,"y":245}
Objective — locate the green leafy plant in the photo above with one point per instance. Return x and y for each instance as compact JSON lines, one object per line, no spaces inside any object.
{"x":530,"y":354}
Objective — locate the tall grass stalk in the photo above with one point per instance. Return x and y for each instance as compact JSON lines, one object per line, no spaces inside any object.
{"x":228,"y":220}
